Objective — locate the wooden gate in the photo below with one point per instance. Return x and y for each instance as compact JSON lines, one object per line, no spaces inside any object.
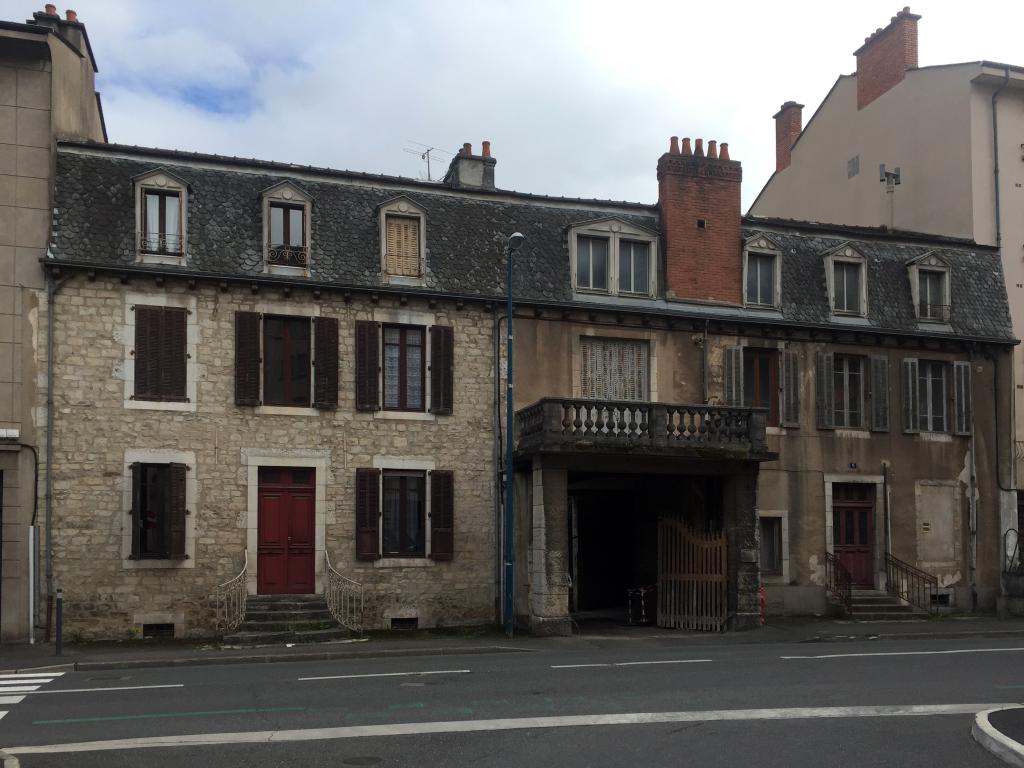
{"x":693,"y":578}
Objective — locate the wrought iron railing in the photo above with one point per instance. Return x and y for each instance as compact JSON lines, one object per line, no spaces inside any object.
{"x":838,"y":581}
{"x":1013,"y":563}
{"x":229,"y":599}
{"x":656,"y":425}
{"x":160,"y":242}
{"x":344,"y":599}
{"x":287,"y":255}
{"x":910,"y":584}
{"x":933,"y":312}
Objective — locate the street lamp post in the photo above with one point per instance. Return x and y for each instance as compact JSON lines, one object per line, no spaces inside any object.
{"x":514,"y":241}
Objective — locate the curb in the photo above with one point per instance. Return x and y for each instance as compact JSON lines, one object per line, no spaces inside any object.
{"x":995,"y":741}
{"x":272,"y":658}
{"x":8,"y":761}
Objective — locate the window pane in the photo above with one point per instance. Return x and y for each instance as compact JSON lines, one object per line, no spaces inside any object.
{"x":923,"y":399}
{"x":766,"y":280}
{"x":295,"y":228}
{"x":152,"y":517}
{"x":862,"y":520}
{"x":276,"y":225}
{"x":273,"y":360}
{"x":172,"y":224}
{"x":853,"y":288}
{"x":752,"y":293}
{"x":771,"y":544}
{"x":853,"y":388}
{"x":641,"y":273}
{"x":392,"y":513}
{"x":414,"y":369}
{"x":839,"y":389}
{"x":625,"y":267}
{"x":392,"y":367}
{"x":938,"y":404}
{"x":298,"y":330}
{"x":599,"y":257}
{"x":583,"y":263}
{"x":415,"y":540}
{"x":152,"y":221}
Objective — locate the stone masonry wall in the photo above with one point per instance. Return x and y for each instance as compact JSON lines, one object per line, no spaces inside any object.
{"x":108,"y":596}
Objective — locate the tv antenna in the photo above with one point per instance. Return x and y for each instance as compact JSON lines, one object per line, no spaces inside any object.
{"x":891,"y":179}
{"x":424,"y":151}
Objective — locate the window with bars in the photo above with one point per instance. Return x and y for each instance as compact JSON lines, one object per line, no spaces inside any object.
{"x":848,"y":397}
{"x":402,"y":255}
{"x":161,"y":222}
{"x":634,"y":267}
{"x":847,"y":277}
{"x":771,"y":545}
{"x":592,"y":263}
{"x":761,"y":279}
{"x":615,"y":369}
{"x":160,"y":354}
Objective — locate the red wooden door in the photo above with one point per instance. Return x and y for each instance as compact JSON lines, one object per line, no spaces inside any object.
{"x":853,"y":512}
{"x":286,"y":532}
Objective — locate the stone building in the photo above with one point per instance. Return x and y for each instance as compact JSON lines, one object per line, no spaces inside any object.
{"x":47,"y":89}
{"x":297,"y":370}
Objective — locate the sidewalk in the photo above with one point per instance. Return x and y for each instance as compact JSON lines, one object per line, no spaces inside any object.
{"x":590,"y":636}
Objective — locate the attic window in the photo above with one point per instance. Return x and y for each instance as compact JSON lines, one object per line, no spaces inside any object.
{"x":403,"y":242}
{"x":846,"y":277}
{"x":613,"y":257}
{"x":161,"y":206}
{"x":929,"y":288}
{"x":286,"y":229}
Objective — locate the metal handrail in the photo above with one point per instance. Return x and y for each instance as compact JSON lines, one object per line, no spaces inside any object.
{"x":344,"y":598}
{"x":909,"y":583}
{"x":838,"y":581}
{"x":229,"y":599}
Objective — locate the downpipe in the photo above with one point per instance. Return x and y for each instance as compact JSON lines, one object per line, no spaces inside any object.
{"x":52,"y":286}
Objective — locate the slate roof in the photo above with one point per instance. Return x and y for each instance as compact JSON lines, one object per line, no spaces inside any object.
{"x":94,"y":223}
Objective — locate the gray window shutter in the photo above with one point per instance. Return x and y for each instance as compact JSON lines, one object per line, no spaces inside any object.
{"x":734,"y":376}
{"x":911,"y":404}
{"x":879,"y":393}
{"x":824,"y":390}
{"x":790,"y":389}
{"x":962,"y":397}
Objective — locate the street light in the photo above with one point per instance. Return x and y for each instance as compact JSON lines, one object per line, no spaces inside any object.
{"x":515,"y":240}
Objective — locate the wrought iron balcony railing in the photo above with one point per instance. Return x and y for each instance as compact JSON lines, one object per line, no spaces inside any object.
{"x":936,"y":313}
{"x":287,"y":255}
{"x":568,"y":423}
{"x":168,"y":243}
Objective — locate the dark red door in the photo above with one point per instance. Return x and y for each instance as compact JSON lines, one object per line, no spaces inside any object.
{"x":287,"y":532}
{"x":853,"y":508}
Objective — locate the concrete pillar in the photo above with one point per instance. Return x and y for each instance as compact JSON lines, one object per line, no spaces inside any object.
{"x":549,"y":563}
{"x":740,"y":520}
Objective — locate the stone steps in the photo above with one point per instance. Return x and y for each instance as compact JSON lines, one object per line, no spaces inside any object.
{"x":872,"y":605}
{"x":275,"y":619}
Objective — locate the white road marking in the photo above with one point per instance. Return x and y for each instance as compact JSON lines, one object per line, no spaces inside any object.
{"x":392,"y":674}
{"x":503,"y":724}
{"x":20,"y":689}
{"x":30,"y":676}
{"x":577,"y":666}
{"x":2,"y":713}
{"x":905,"y":653}
{"x":117,"y":688}
{"x":10,"y":699}
{"x":630,"y":663}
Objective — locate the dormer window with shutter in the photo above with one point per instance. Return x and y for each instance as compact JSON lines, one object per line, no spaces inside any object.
{"x":929,"y":288}
{"x":161,"y":204}
{"x":846,"y":278}
{"x":403,"y":242}
{"x":286,"y":229}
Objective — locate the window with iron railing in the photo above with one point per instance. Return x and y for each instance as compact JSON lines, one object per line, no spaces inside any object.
{"x":932,"y":301}
{"x":161,"y":222}
{"x":287,"y":246}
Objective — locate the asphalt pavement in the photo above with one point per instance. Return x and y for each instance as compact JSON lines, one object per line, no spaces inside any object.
{"x":659,"y":701}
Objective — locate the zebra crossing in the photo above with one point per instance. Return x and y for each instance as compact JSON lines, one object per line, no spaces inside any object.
{"x":14,"y":687}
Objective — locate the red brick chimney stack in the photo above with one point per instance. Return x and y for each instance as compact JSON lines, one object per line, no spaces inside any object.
{"x":885,"y":57}
{"x":699,"y":202}
{"x":788,"y":124}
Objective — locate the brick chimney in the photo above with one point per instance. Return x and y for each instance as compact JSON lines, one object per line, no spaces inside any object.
{"x":699,"y":201}
{"x":469,"y":171}
{"x":885,"y":57}
{"x":788,"y":124}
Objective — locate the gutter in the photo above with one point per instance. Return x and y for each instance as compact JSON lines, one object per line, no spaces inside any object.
{"x":995,"y":151}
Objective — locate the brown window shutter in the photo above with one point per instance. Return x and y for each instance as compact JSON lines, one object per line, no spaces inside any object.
{"x":136,"y":513}
{"x":147,"y":352}
{"x":176,"y":512}
{"x":325,"y":377}
{"x":173,"y":354}
{"x":367,"y":514}
{"x":247,"y":358}
{"x":442,"y":515}
{"x":442,"y":369}
{"x":367,"y":366}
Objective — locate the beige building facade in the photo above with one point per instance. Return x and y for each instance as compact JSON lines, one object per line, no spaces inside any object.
{"x":46,"y":90}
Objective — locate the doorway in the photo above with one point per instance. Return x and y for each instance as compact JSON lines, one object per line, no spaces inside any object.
{"x":853,"y":512}
{"x":286,"y":531}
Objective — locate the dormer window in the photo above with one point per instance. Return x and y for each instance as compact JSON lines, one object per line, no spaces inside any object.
{"x":160,"y":207}
{"x":762,"y":259}
{"x":929,"y":286}
{"x":845,"y":271}
{"x":613,"y":257}
{"x":286,"y":229}
{"x":403,"y":241}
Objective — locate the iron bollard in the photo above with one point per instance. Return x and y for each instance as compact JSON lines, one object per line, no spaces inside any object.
{"x":60,"y":622}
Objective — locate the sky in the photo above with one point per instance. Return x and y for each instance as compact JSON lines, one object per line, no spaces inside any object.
{"x":577,"y":98}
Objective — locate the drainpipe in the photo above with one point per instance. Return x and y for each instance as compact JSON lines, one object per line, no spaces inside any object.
{"x":995,"y":151}
{"x":497,"y":461}
{"x":51,"y":292}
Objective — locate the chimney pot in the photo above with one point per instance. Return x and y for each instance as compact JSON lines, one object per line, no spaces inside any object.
{"x":724,"y":154}
{"x":467,"y":148}
{"x":71,"y":15}
{"x":698,"y":147}
{"x":673,"y":145}
{"x":50,"y":9}
{"x":713,"y":149}
{"x":486,"y":148}
{"x":686,"y":147}
{"x":885,"y":57}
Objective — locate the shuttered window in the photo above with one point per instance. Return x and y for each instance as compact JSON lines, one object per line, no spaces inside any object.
{"x":848,"y":391}
{"x":442,"y":369}
{"x":367,"y":366}
{"x":442,"y":515}
{"x":879,"y":393}
{"x":286,"y":360}
{"x":911,"y":409}
{"x":403,"y":518}
{"x":325,"y":350}
{"x":158,"y":511}
{"x":160,"y":354}
{"x":962,"y":398}
{"x":733,"y":376}
{"x":824,"y":393}
{"x":404,"y":368}
{"x":790,"y":389}
{"x":760,"y":381}
{"x":931,"y":395}
{"x":367,"y":514}
{"x":403,"y":246}
{"x":614,"y":369}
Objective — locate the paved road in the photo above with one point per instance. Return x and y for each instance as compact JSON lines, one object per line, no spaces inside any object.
{"x":899,"y":703}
